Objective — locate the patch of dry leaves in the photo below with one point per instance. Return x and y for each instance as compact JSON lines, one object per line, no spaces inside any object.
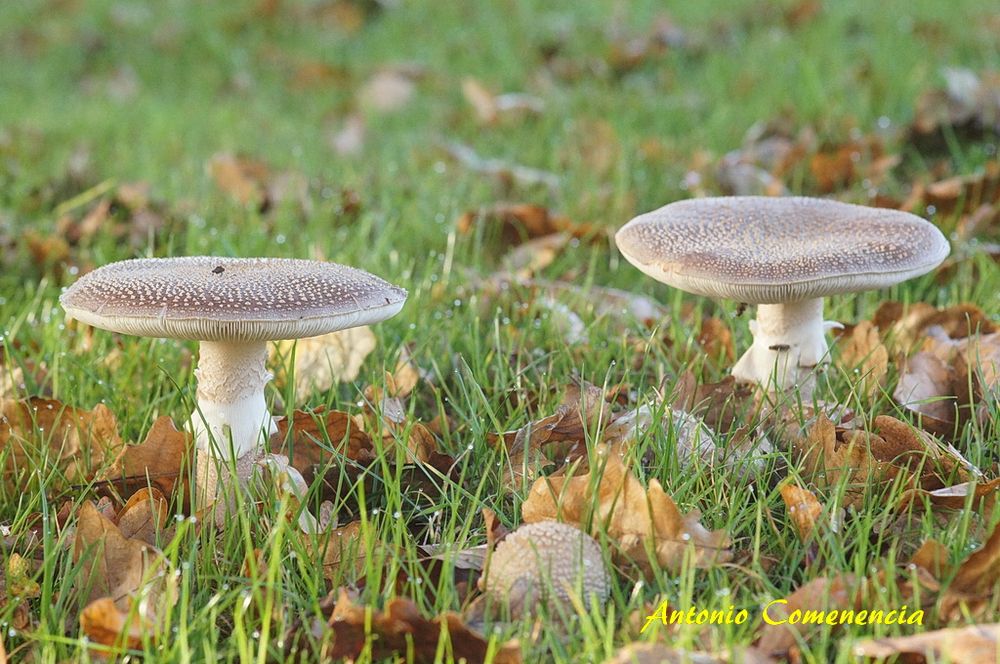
{"x":645,"y":524}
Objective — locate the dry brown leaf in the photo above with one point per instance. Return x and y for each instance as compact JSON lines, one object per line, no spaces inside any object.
{"x":974,"y":644}
{"x":144,"y":515}
{"x":617,"y":504}
{"x":562,"y":434}
{"x":306,"y":445}
{"x":659,"y":653}
{"x":828,"y":455}
{"x":926,"y":386}
{"x":343,"y":553}
{"x":251,"y":182}
{"x":979,"y":574}
{"x":241,"y":178}
{"x":724,"y":406}
{"x":953,"y":497}
{"x":400,"y":630}
{"x":968,"y":106}
{"x":76,"y":440}
{"x":905,"y":327}
{"x":528,"y":259}
{"x":803,"y":509}
{"x":822,"y":594}
{"x":862,"y":351}
{"x":112,"y":565}
{"x":933,"y":557}
{"x":716,"y":339}
{"x":104,"y":622}
{"x":159,"y":461}
{"x":520,"y":222}
{"x":323,"y":361}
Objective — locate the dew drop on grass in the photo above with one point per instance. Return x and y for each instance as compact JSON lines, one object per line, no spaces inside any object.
{"x":397,"y":515}
{"x":255,"y":635}
{"x":686,"y":536}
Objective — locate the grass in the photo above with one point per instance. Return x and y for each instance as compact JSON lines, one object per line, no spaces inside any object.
{"x":201,"y":78}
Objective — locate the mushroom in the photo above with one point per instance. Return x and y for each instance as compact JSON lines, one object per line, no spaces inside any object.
{"x":546,"y":562}
{"x":784,"y":255}
{"x":233,"y":307}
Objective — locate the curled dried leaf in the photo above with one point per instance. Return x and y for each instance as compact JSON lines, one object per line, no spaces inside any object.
{"x":611,"y":500}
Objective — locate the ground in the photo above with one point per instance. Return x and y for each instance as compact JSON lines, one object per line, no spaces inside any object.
{"x":363,"y":133}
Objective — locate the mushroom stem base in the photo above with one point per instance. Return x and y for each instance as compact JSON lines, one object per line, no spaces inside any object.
{"x":789,"y":341}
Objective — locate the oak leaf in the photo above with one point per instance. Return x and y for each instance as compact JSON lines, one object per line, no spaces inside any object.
{"x":974,"y":644}
{"x":41,"y":432}
{"x":610,"y":499}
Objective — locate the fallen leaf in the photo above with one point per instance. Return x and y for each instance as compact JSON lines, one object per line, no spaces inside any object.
{"x":112,"y":565}
{"x":251,"y":182}
{"x":520,"y":222}
{"x":967,"y":107}
{"x":975,"y":582}
{"x":803,"y":509}
{"x":103,"y":622}
{"x":323,"y":361}
{"x":288,"y":483}
{"x":241,"y":178}
{"x":343,"y":553}
{"x":315,"y":439}
{"x":821,"y":594}
{"x":400,"y":630}
{"x":862,"y":352}
{"x":660,"y":653}
{"x":953,"y":497}
{"x":974,"y":644}
{"x":144,"y":516}
{"x":525,"y":261}
{"x":42,"y":432}
{"x":862,"y":460}
{"x":716,"y":339}
{"x":610,"y":499}
{"x":160,"y":461}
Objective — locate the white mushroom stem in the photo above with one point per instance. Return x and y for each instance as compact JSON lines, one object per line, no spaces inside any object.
{"x":789,"y":341}
{"x":231,"y":408}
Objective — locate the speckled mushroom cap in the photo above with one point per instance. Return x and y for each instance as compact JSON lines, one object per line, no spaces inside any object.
{"x":205,"y":298}
{"x":763,"y":250}
{"x":546,"y":556}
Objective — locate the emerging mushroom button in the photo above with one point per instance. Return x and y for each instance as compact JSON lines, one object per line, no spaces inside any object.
{"x":233,"y":306}
{"x":784,"y":255}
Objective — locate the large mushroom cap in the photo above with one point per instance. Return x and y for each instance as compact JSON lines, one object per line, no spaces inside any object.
{"x":205,"y":298}
{"x":763,"y":250}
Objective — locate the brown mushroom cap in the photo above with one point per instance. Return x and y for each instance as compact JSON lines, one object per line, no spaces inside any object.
{"x":763,"y":250}
{"x":546,"y":560}
{"x":205,"y":298}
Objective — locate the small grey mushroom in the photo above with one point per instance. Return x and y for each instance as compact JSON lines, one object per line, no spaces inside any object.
{"x":233,"y":307}
{"x":546,"y":563}
{"x":784,"y":255}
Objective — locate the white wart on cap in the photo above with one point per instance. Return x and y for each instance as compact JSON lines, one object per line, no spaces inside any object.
{"x":784,"y":254}
{"x":233,"y":306}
